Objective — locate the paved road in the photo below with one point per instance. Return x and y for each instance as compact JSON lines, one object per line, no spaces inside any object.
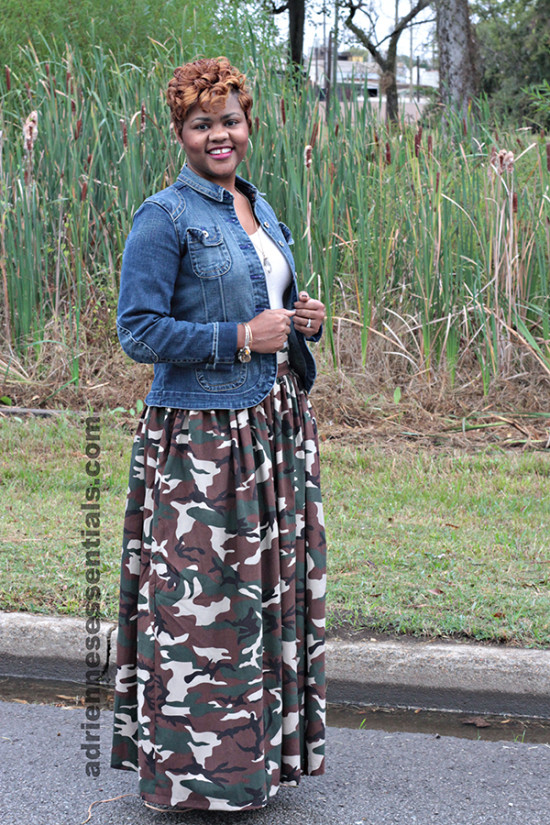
{"x":373,"y":778}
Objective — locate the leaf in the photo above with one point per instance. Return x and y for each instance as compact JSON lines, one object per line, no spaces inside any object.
{"x":477,"y":721}
{"x":397,"y":395}
{"x":499,"y":615}
{"x":436,"y":591}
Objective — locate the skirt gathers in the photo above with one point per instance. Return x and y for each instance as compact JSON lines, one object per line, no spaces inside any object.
{"x":220,"y":692}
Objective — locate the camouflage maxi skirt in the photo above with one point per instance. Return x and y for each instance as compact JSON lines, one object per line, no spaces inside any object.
{"x":220,"y":654}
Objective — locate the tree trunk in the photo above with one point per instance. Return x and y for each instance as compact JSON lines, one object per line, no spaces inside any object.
{"x":296,"y":19}
{"x":457,"y":74}
{"x":388,"y":87}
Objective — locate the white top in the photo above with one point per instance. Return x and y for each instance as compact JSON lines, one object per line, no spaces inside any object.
{"x":277,"y":271}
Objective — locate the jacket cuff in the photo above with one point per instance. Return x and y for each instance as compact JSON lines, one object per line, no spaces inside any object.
{"x":224,"y":345}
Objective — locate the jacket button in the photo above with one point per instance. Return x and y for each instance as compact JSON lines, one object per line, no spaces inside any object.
{"x":266,"y":223}
{"x":205,"y":233}
{"x":280,"y":243}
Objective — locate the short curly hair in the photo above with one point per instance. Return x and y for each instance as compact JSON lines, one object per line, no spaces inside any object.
{"x":208,"y":82}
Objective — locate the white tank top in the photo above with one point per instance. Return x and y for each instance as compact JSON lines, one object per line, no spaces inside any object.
{"x":276,"y":268}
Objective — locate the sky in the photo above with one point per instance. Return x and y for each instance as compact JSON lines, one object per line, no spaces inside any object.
{"x":385,"y":11}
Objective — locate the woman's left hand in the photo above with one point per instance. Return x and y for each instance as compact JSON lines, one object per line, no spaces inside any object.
{"x":309,"y":316}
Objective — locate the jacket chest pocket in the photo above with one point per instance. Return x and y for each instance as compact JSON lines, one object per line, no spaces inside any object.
{"x":208,"y":251}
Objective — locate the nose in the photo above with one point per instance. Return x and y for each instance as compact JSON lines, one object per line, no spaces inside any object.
{"x":218,"y":131}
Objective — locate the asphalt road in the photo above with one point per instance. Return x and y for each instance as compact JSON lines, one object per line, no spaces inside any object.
{"x":373,"y":778}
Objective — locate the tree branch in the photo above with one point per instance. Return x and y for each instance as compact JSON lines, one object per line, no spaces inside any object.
{"x":361,"y":35}
{"x":278,"y":9}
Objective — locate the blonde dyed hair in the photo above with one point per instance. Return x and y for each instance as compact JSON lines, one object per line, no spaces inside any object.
{"x":208,"y":82}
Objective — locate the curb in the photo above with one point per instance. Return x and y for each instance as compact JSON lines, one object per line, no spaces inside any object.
{"x":427,"y":675}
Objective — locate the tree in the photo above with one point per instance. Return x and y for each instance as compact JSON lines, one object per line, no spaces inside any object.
{"x":457,"y":73}
{"x":387,"y":61}
{"x":513,"y":40}
{"x":296,"y":21}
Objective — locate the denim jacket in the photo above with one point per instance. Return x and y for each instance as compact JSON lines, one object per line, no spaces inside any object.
{"x":190,"y":275}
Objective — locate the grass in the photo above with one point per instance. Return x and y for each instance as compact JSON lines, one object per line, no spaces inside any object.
{"x":431,"y":239}
{"x":443,"y":544}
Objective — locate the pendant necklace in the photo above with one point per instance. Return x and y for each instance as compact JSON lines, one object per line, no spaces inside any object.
{"x":266,"y":263}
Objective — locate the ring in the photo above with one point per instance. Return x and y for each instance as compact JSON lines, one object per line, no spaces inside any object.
{"x":308,"y":323}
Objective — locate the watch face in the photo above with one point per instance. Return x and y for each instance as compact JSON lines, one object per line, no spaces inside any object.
{"x":244,"y":355}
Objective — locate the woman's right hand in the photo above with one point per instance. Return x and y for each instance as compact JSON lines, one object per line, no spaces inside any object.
{"x":270,"y":330}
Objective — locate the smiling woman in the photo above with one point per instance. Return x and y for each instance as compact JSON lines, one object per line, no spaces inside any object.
{"x":216,"y":143}
{"x":220,"y":652}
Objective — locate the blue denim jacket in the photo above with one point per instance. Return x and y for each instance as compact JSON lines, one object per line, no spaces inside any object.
{"x":190,"y":275}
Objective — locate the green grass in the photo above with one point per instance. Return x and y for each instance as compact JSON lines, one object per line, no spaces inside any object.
{"x":420,"y":542}
{"x":440,"y":544}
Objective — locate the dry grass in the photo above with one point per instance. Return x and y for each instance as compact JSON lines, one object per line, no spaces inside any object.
{"x":388,"y":399}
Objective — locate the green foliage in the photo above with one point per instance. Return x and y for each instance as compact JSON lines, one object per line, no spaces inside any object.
{"x":128,"y":30}
{"x":429,"y":241}
{"x":514,"y":44}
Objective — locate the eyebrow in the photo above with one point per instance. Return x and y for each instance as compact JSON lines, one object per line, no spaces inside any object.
{"x":208,"y":119}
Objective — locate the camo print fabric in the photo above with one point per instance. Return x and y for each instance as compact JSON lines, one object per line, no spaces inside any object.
{"x":220,"y":683}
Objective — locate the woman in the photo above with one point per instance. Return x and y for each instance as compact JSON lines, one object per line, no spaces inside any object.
{"x":220,"y":685}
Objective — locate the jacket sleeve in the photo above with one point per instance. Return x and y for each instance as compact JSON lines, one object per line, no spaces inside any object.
{"x":146,"y":329}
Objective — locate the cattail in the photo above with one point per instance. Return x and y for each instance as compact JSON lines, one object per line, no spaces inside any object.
{"x":332,"y":171}
{"x":307,"y":156}
{"x":514,"y":202}
{"x":283,"y":111}
{"x":143,"y":118}
{"x":83,"y":190}
{"x":437,"y":177}
{"x":430,"y":145}
{"x":30,"y":132}
{"x":464,"y":127}
{"x":542,"y":134}
{"x":388,"y":152}
{"x":314,"y":133}
{"x":47,"y":67}
{"x":336,"y":130}
{"x":8,"y":78}
{"x":257,"y":123}
{"x":124,"y":133}
{"x":73,"y":106}
{"x":505,"y":161}
{"x":417,"y":141}
{"x":78,"y":128}
{"x":376,"y":138}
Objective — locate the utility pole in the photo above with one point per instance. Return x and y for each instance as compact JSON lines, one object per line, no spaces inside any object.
{"x":335,"y":54}
{"x":411,"y":62}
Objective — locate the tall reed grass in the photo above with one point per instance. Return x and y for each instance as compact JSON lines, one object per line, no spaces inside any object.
{"x":435,"y":241}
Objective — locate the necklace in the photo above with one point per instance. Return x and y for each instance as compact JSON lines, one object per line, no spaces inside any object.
{"x":266,"y":263}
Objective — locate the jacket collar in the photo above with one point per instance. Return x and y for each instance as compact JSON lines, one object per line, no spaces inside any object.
{"x":213,"y":190}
